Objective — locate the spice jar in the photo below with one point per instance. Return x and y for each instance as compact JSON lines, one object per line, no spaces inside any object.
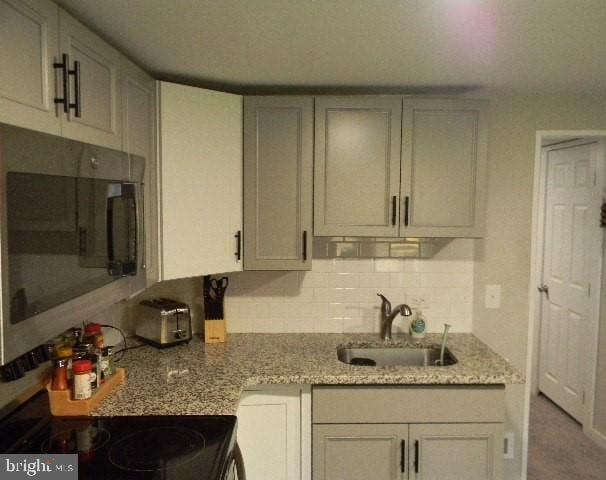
{"x":82,"y":384}
{"x":107,"y":363}
{"x":65,"y":352}
{"x":94,"y":335}
{"x":86,"y":351}
{"x":60,"y":375}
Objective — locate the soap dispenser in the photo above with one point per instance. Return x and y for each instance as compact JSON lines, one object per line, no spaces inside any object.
{"x":418,"y":326}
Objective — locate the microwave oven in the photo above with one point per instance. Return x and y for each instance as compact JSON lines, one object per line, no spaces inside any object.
{"x":71,"y":237}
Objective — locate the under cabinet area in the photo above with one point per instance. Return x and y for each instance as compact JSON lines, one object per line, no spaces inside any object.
{"x":200,"y":169}
{"x":408,"y":432}
{"x":274,"y":432}
{"x":278,"y":183}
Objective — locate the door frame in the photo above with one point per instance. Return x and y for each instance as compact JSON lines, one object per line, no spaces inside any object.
{"x":534,"y":298}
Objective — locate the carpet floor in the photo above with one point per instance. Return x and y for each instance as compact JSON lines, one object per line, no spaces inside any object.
{"x":558,"y":449}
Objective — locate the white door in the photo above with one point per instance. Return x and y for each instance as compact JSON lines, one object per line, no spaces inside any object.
{"x":571,"y":226}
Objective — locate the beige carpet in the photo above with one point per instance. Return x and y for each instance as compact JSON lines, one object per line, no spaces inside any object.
{"x":558,"y":450}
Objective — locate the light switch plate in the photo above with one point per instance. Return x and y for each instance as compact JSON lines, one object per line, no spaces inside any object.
{"x":492,"y":297}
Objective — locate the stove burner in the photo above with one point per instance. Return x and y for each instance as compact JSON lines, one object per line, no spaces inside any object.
{"x":81,"y":439}
{"x":154,"y":449}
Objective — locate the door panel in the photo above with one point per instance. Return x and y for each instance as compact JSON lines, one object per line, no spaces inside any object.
{"x":456,"y":451}
{"x":443,"y":168}
{"x":29,"y":39}
{"x":359,"y":451}
{"x":201,"y":180}
{"x":100,"y":120}
{"x":278,"y":170}
{"x":568,"y":233}
{"x":357,"y":155}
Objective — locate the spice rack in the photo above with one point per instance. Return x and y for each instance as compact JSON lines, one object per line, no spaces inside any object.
{"x":62,"y":404}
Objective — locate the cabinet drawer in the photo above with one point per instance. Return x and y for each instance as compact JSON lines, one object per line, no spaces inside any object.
{"x":410,"y":404}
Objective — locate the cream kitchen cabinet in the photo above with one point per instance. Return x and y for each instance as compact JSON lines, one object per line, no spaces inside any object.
{"x":278,"y":183}
{"x":56,"y":76}
{"x":443,"y":168}
{"x":274,"y":425}
{"x":29,"y":36}
{"x":408,"y":432}
{"x":95,"y":86}
{"x":357,"y":166}
{"x":138,"y":120}
{"x":389,"y":167}
{"x":200,"y":181}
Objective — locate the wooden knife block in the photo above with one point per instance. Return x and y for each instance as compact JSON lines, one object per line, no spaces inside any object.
{"x":214,"y":331}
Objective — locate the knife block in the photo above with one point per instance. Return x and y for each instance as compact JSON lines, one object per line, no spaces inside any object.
{"x":214,"y":331}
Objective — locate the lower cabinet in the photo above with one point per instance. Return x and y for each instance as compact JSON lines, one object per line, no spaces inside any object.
{"x":274,"y":432}
{"x":402,"y":451}
{"x":433,"y":432}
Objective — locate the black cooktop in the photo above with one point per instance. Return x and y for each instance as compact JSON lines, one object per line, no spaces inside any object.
{"x":144,"y":447}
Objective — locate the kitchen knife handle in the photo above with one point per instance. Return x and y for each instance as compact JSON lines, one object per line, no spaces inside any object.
{"x":304,"y":245}
{"x":238,"y":252}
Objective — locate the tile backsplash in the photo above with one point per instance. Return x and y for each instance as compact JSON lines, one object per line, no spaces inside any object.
{"x":340,"y":295}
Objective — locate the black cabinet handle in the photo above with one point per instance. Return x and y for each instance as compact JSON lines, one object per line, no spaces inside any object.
{"x":403,"y":456}
{"x":406,"y":208}
{"x":394,"y":206}
{"x":238,"y":252}
{"x":77,"y":105}
{"x":64,"y":67}
{"x":304,"y":245}
{"x":416,"y":456}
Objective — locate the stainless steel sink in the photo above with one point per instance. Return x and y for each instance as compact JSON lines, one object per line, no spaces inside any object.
{"x":394,"y":356}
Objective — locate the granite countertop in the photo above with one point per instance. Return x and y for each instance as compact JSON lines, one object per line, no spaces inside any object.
{"x":200,"y":379}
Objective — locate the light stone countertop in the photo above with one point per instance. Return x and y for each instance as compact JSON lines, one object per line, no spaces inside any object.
{"x":200,"y":379}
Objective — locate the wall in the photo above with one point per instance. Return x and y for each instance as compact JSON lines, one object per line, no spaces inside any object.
{"x":503,"y":257}
{"x":340,"y":295}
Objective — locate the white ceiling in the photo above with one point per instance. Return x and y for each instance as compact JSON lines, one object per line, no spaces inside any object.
{"x":525,"y":46}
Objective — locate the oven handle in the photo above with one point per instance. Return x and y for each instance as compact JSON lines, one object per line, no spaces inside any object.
{"x":241,"y":474}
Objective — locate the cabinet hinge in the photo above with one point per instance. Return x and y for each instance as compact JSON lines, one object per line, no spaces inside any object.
{"x":583,"y":397}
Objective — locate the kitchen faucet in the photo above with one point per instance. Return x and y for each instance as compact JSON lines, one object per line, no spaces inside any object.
{"x":387,"y":316}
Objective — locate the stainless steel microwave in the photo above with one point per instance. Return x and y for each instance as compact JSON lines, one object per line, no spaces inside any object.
{"x":72,"y":234}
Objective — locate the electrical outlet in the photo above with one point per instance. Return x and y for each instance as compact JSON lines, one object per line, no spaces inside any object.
{"x":508,"y":446}
{"x":492,"y":296}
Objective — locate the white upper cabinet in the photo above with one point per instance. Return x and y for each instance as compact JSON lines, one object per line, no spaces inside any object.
{"x":138,"y":120}
{"x":29,"y":44}
{"x":93,"y":86}
{"x":357,"y":166}
{"x":443,"y":168}
{"x":200,"y":170}
{"x":56,"y":76}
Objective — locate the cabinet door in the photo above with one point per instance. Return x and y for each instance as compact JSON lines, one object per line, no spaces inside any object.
{"x":138,"y":119}
{"x":443,"y":169}
{"x":201,"y":180}
{"x":269,"y":434}
{"x":29,"y":40}
{"x":455,"y":451}
{"x":100,"y":120}
{"x":360,"y":452}
{"x":278,"y":171}
{"x":357,"y":170}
